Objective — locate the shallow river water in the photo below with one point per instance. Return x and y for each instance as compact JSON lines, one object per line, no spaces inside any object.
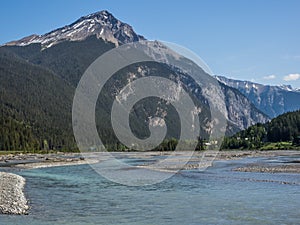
{"x":218,"y":195}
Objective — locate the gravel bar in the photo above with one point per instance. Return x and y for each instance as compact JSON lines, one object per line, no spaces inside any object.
{"x":12,"y":198}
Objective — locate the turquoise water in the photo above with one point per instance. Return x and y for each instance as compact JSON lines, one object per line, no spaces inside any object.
{"x":78,"y":195}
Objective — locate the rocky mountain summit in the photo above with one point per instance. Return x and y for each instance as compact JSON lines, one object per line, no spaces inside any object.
{"x":102,"y":24}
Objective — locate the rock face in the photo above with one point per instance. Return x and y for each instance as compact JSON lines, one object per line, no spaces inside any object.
{"x":272,"y":100}
{"x":237,"y":109}
{"x":12,"y":198}
{"x":102,"y":24}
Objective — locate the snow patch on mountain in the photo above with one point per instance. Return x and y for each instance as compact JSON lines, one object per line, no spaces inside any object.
{"x":102,"y":24}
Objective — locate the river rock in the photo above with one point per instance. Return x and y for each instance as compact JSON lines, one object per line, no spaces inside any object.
{"x":12,"y":198}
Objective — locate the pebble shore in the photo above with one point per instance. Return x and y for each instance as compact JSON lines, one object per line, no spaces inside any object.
{"x":12,"y":198}
{"x":269,"y":169}
{"x":33,"y":161}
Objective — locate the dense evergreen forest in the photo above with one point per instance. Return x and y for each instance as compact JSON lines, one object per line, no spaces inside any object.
{"x":35,"y":105}
{"x":282,"y":132}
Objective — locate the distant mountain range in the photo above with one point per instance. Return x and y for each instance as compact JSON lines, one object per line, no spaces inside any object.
{"x":272,"y":100}
{"x":39,"y":75}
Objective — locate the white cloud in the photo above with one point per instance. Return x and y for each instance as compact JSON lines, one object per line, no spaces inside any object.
{"x":291,"y":77}
{"x":270,"y":77}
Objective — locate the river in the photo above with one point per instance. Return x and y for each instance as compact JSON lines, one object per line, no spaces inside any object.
{"x":218,"y":195}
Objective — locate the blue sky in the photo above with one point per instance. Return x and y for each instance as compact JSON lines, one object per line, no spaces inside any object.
{"x":249,"y":40}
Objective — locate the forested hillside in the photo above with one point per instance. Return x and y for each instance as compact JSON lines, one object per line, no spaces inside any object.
{"x":35,"y":104}
{"x":280,"y":133}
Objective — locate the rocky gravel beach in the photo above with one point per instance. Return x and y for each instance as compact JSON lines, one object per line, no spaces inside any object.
{"x":293,"y":168}
{"x":31,"y":161}
{"x":12,"y":198}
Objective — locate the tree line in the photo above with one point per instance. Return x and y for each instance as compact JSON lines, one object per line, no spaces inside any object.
{"x":284,"y":128}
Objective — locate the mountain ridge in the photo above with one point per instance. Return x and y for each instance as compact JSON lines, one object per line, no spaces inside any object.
{"x":286,"y":87}
{"x":272,"y":100}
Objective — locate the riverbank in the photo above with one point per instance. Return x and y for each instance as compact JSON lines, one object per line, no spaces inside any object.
{"x":286,"y":167}
{"x":33,"y":161}
{"x":283,"y":167}
{"x":12,"y":198}
{"x":197,"y":161}
{"x":270,"y":169}
{"x":203,"y":160}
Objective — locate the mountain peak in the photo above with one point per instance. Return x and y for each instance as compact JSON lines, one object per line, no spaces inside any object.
{"x":103,"y":13}
{"x":102,"y":24}
{"x":104,"y":16}
{"x":287,"y":87}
